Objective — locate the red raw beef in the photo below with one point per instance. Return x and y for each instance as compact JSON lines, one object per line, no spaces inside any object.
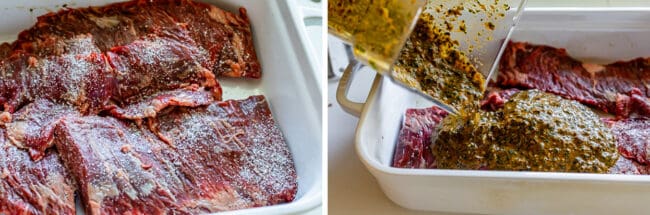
{"x":32,"y":127}
{"x":633,"y":138}
{"x":529,"y":66}
{"x":132,"y":82}
{"x":90,"y":80}
{"x":228,"y":155}
{"x":224,"y":37}
{"x":29,"y":187}
{"x":414,"y":144}
{"x":80,"y":80}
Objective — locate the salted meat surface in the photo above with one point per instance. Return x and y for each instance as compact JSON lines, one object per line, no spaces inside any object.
{"x":628,"y":166}
{"x":158,"y":63}
{"x":244,"y":139}
{"x":32,"y":127}
{"x":413,"y":148}
{"x":83,"y":81}
{"x":224,"y":36}
{"x":633,"y":138}
{"x":92,"y":81}
{"x":28,"y":187}
{"x":132,"y":82}
{"x":530,"y":66}
{"x":228,"y":155}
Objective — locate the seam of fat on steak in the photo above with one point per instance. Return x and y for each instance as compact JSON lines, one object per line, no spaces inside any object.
{"x":225,"y":156}
{"x":225,"y":37}
{"x":530,"y":66}
{"x":29,"y":187}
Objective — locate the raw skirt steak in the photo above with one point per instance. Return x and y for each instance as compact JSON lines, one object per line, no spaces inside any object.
{"x":80,"y":80}
{"x":633,"y":138}
{"x":606,"y":87}
{"x":92,"y":81}
{"x":224,"y":37}
{"x":32,"y":127}
{"x":130,"y":82}
{"x":414,"y":145}
{"x":228,"y":155}
{"x":28,"y":187}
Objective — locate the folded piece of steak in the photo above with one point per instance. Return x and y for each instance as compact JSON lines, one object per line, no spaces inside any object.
{"x":157,"y":63}
{"x":150,"y":106}
{"x":529,"y":66}
{"x":156,"y":66}
{"x":229,"y":155}
{"x":634,"y":104}
{"x":413,"y":148}
{"x":32,"y":127}
{"x":28,"y":187}
{"x":224,"y":37}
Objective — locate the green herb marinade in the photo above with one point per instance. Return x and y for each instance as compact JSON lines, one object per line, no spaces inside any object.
{"x":535,"y":131}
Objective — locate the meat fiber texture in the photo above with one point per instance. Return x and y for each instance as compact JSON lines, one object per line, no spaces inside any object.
{"x":621,"y":88}
{"x":130,"y":60}
{"x":135,"y":81}
{"x":224,"y":38}
{"x":28,"y":187}
{"x":633,"y":140}
{"x":92,"y":81}
{"x":414,"y":146}
{"x":228,"y":155}
{"x":413,"y":149}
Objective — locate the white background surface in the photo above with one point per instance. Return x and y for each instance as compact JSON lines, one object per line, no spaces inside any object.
{"x":315,"y":37}
{"x":352,"y":189}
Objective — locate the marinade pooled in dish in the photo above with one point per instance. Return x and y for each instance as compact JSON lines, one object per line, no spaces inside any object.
{"x":534,"y":131}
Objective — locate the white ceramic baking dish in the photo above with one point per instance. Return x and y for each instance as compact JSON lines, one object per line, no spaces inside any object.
{"x":595,"y":34}
{"x":288,"y":81}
